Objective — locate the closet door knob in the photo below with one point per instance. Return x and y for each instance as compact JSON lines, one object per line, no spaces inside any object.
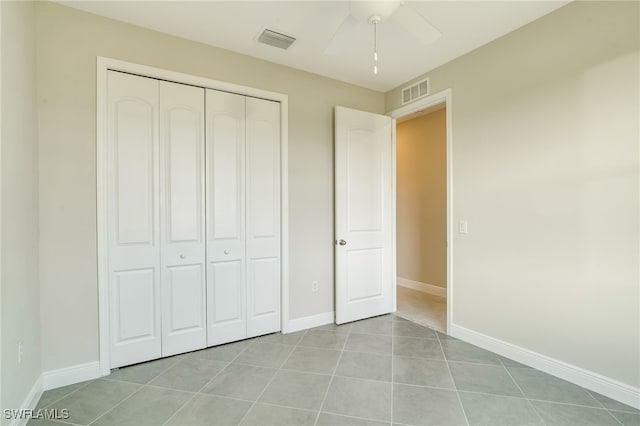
{"x":226,"y":252}
{"x":342,"y":242}
{"x":182,"y":256}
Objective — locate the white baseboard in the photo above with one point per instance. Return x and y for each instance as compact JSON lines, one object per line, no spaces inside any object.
{"x":29,"y":402}
{"x":55,"y":379}
{"x":587,"y":379}
{"x":305,"y":323}
{"x":69,"y":375}
{"x":423,"y":287}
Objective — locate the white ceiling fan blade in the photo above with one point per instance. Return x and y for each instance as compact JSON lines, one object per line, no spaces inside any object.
{"x":343,"y":34}
{"x":415,"y":24}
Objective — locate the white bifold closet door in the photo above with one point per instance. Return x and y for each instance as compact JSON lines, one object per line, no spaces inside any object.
{"x":226,"y":262}
{"x":243,"y":217}
{"x":182,"y":204}
{"x":263,"y":216}
{"x":155,"y":214}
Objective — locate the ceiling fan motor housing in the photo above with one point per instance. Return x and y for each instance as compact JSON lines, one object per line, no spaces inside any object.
{"x":365,"y":11}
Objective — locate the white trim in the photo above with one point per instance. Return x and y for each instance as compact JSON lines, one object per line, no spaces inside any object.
{"x":305,"y":323}
{"x":53,"y":379}
{"x":30,"y":402}
{"x":104,"y":64}
{"x":423,"y":287}
{"x":435,"y":99}
{"x":613,"y":389}
{"x":284,"y":214}
{"x":1,"y":381}
{"x":69,"y":375}
{"x":101,"y":216}
{"x":394,"y":182}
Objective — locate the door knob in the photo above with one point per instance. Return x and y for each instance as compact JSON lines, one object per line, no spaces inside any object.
{"x":182,"y":256}
{"x":342,"y":242}
{"x":226,"y":252}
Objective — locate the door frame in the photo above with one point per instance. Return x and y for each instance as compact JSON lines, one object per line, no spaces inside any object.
{"x":443,"y":97}
{"x":103,"y":65}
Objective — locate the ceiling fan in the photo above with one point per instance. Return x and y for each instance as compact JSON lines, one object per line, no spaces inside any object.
{"x":363,"y":15}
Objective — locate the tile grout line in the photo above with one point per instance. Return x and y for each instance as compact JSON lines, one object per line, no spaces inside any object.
{"x":455,"y":386}
{"x":326,"y":393}
{"x":623,"y":411}
{"x":180,"y":358}
{"x":270,"y":381}
{"x":522,"y":392}
{"x":575,"y":405}
{"x":198,"y":392}
{"x":472,"y":363}
{"x":225,"y":367}
{"x":601,"y":407}
{"x":147,"y":384}
{"x":61,"y":422}
{"x":393,"y":361}
{"x":355,"y":417}
{"x":601,"y":404}
{"x":415,"y":319}
{"x":231,"y":362}
{"x":117,"y":405}
{"x":632,"y":410}
{"x":608,"y":409}
{"x":614,"y":417}
{"x":69,"y":394}
{"x":142,"y":385}
{"x":271,"y":404}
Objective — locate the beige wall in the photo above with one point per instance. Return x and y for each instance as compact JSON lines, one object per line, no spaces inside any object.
{"x":546,"y":170}
{"x":68,"y":43}
{"x":20,"y":289}
{"x":422,"y":199}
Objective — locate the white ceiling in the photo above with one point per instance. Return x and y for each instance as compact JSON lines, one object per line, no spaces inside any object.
{"x":235,"y":25}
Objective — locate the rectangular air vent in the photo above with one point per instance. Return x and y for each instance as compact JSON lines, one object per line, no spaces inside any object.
{"x":276,"y":39}
{"x":415,"y":91}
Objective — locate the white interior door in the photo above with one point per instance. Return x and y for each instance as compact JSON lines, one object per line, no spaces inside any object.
{"x":263,"y":216}
{"x":364,"y":217}
{"x":182,"y":218}
{"x":226,"y":265}
{"x":133,"y":219}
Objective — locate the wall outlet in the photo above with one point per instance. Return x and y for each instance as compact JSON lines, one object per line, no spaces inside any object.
{"x":20,"y":352}
{"x":314,"y":286}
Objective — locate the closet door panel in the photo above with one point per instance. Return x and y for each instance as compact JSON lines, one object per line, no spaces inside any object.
{"x":265,"y":276}
{"x":183,"y":292}
{"x":182,"y":218}
{"x":226,"y":302}
{"x":134,"y":169}
{"x":263,"y":216}
{"x":226,"y":288}
{"x":133,"y":220}
{"x":133,"y":317}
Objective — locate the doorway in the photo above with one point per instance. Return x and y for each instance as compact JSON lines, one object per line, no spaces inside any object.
{"x":423,"y":223}
{"x":421,"y":217}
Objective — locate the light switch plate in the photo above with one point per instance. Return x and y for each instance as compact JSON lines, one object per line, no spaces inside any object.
{"x":463,"y":226}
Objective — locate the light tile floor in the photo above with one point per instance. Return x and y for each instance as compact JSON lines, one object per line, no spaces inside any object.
{"x":422,"y":308}
{"x":372,"y":372}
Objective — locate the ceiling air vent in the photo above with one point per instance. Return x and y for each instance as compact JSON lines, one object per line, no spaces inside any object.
{"x":415,"y":91}
{"x":276,"y":39}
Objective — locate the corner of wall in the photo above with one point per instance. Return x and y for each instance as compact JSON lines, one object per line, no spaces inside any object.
{"x":20,"y":352}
